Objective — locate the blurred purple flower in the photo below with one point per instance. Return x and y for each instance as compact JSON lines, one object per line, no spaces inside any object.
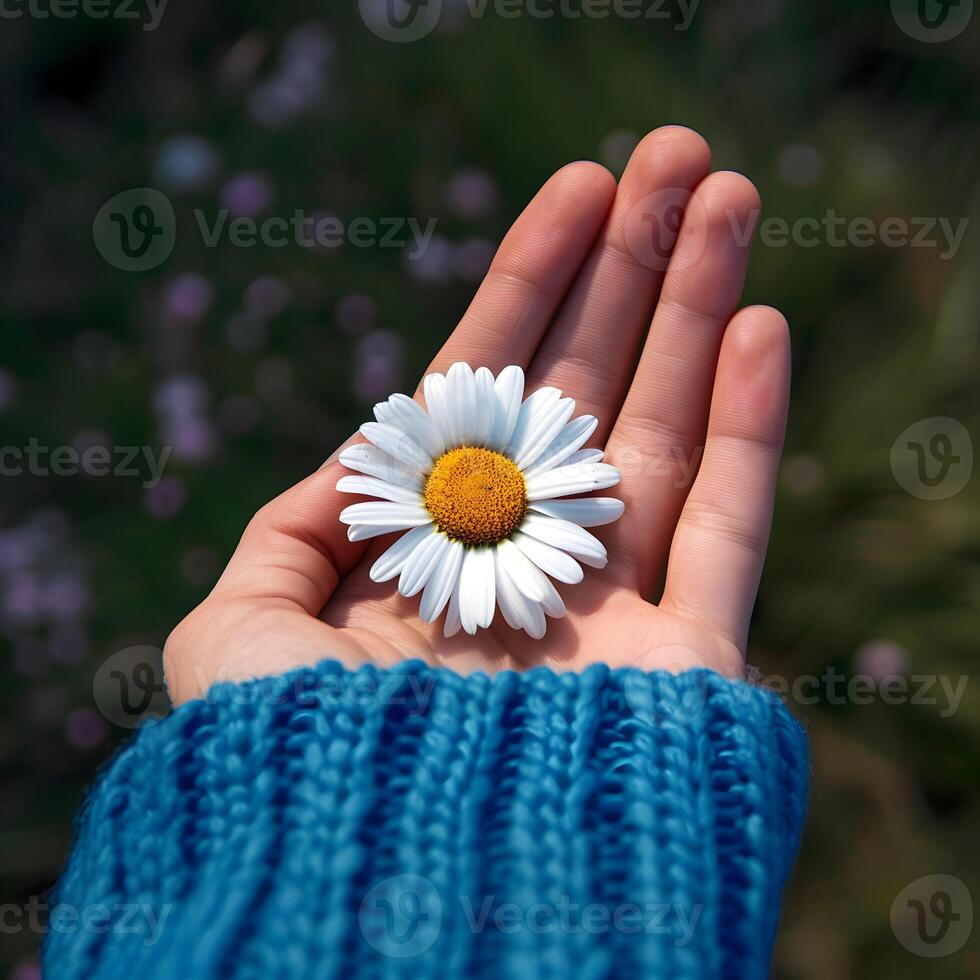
{"x":85,"y":729}
{"x":186,"y":163}
{"x":434,"y":264}
{"x":880,"y":659}
{"x":377,"y":364}
{"x":247,"y":194}
{"x":298,"y":81}
{"x":472,"y":258}
{"x":188,"y":296}
{"x":355,"y":313}
{"x":26,"y":970}
{"x":15,"y":550}
{"x":7,"y":388}
{"x":64,"y":596}
{"x":192,"y":437}
{"x":22,"y":598}
{"x":267,"y":295}
{"x":88,"y":439}
{"x":180,"y":396}
{"x":471,"y":193}
{"x":166,"y":499}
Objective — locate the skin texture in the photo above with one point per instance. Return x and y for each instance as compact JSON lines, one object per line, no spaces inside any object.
{"x":582,"y":295}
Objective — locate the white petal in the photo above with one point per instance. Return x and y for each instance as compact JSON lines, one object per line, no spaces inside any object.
{"x":564,"y":444}
{"x":550,"y":560}
{"x":421,"y":563}
{"x":370,"y":487}
{"x":422,"y":430}
{"x":508,"y":390}
{"x":361,"y":532}
{"x":586,"y":512}
{"x":461,"y":403}
{"x":385,"y":412}
{"x":552,"y":603}
{"x":585,"y":456}
{"x":439,"y":588}
{"x":485,"y":405}
{"x":434,"y":386}
{"x":382,"y":512}
{"x":540,"y":432}
{"x":524,"y":573}
{"x":476,"y":589}
{"x":563,"y":481}
{"x":518,"y":609}
{"x":403,"y":405}
{"x":532,"y":408}
{"x":529,"y":579}
{"x":393,"y":560}
{"x":396,"y":443}
{"x":452,"y":624}
{"x":375,"y":462}
{"x":567,"y":536}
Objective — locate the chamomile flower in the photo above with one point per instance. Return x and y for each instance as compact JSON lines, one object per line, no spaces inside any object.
{"x":478,"y":483}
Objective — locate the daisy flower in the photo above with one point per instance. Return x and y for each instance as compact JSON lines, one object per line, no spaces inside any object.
{"x":476,"y":480}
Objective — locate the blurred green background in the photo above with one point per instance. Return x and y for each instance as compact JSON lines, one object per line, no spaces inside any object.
{"x":254,"y":363}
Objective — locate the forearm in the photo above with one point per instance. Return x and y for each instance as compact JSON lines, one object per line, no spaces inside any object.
{"x":416,"y":821}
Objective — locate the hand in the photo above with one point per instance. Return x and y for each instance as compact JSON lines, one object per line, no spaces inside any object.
{"x":666,"y":364}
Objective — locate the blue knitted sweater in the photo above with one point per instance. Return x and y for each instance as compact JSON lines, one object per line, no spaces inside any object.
{"x":414,"y":822}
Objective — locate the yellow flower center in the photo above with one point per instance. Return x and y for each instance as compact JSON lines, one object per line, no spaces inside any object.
{"x":475,"y":495}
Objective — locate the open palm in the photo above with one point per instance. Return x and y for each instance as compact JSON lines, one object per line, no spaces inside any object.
{"x":624,"y":297}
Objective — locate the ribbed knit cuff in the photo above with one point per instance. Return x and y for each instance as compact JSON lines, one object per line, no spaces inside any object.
{"x":417,"y":822}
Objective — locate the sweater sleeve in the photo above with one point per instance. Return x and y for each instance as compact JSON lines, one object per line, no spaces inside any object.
{"x":416,"y":822}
